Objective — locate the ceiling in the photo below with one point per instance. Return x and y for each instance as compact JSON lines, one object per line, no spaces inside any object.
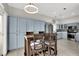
{"x":53,"y":9}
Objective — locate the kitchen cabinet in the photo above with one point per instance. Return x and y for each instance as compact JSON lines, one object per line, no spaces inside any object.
{"x":38,"y":26}
{"x":17,"y":28}
{"x":77,"y":36}
{"x":21,"y":31}
{"x":29,"y":25}
{"x":61,"y":35}
{"x":22,"y":24}
{"x":12,"y":33}
{"x":12,"y":41}
{"x":62,"y":26}
{"x":12,"y":24}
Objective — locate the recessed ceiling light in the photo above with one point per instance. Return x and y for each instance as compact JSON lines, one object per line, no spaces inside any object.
{"x":65,"y":8}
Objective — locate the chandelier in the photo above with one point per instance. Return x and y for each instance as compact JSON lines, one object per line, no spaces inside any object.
{"x":31,"y":9}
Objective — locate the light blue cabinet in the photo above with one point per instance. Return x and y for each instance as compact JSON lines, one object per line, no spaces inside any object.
{"x":21,"y":31}
{"x":12,"y":33}
{"x":17,"y":28}
{"x":38,"y":26}
{"x":20,"y":40}
{"x":12,"y":24}
{"x":21,"y":25}
{"x":12,"y":41}
{"x":29,"y":25}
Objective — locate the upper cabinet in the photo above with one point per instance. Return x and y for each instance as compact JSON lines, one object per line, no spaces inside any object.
{"x":61,"y":27}
{"x":66,"y":26}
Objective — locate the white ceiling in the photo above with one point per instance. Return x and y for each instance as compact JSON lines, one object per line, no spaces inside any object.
{"x":53,"y":9}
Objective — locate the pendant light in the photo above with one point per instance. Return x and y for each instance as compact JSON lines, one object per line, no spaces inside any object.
{"x":31,"y":9}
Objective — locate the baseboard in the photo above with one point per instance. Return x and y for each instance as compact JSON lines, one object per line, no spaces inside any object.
{"x":15,"y":49}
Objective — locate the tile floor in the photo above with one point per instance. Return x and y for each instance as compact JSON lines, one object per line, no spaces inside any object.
{"x":64,"y":47}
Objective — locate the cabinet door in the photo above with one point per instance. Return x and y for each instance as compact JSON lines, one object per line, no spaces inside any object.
{"x":64,"y":35}
{"x":21,"y":40}
{"x":12,"y":41}
{"x":38,"y":26}
{"x":78,"y":26}
{"x":12,"y":32}
{"x":21,"y":25}
{"x":12,"y":24}
{"x":29,"y":26}
{"x":61,"y":26}
{"x":41,"y":24}
{"x":77,"y":37}
{"x":21,"y":31}
{"x":59,"y":35}
{"x":57,"y":27}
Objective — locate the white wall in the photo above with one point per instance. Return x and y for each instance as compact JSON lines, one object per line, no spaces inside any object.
{"x":5,"y":33}
{"x":72,"y":20}
{"x":1,"y":35}
{"x":4,"y":29}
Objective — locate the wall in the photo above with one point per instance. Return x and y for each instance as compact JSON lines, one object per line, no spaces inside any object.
{"x":71,"y":20}
{"x":1,"y":40}
{"x":4,"y":29}
{"x":5,"y":33}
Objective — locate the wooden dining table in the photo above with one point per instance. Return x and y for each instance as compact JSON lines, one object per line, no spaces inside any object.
{"x":29,"y":38}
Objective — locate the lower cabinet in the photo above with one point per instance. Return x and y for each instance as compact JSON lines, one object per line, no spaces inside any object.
{"x":77,"y":37}
{"x":20,"y":40}
{"x":16,"y":31}
{"x":61,"y":35}
{"x":12,"y":41}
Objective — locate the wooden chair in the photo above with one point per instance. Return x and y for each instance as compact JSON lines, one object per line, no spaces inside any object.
{"x":38,"y":45}
{"x":51,"y":43}
{"x":27,"y":42}
{"x":41,"y":42}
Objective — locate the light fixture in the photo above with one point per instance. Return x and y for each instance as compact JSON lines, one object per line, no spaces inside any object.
{"x":31,"y":9}
{"x":64,"y":8}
